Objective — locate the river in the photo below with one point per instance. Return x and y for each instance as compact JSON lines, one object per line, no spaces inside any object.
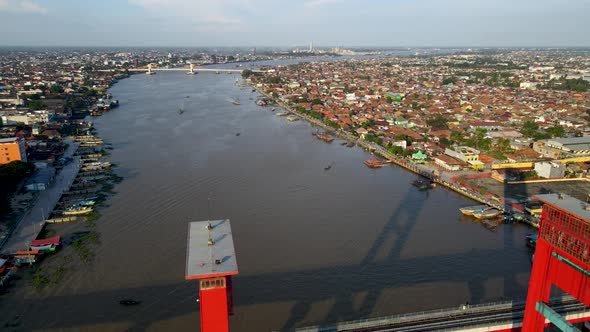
{"x":312,"y":245}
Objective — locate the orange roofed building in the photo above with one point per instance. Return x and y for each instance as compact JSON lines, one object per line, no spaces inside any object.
{"x":12,"y":149}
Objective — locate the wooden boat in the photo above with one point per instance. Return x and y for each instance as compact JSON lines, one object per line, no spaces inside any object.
{"x":282,"y":114}
{"x":489,"y":213}
{"x":422,"y":185}
{"x":470,"y":210}
{"x":350,"y":144}
{"x":324,"y":137}
{"x":128,"y":302}
{"x":292,"y":118}
{"x":375,"y":163}
{"x":45,"y":248}
{"x":77,"y":210}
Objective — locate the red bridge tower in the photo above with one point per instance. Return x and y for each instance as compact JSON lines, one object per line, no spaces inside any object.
{"x":211,"y":258}
{"x":562,"y":259}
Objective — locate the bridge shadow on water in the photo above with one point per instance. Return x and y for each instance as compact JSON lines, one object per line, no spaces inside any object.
{"x":317,"y":285}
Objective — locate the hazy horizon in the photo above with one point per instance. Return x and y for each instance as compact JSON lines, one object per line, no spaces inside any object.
{"x":282,"y":23}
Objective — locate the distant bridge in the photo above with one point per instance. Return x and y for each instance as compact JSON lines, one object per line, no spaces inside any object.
{"x":189,"y":70}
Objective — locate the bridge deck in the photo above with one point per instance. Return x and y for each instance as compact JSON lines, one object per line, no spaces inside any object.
{"x":500,"y":316}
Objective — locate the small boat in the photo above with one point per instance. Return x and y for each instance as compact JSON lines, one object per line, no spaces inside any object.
{"x":129,"y":302}
{"x":469,"y":210}
{"x":489,"y":213}
{"x":324,"y":137}
{"x":343,"y":143}
{"x":77,"y":210}
{"x":374,"y":163}
{"x":282,"y":114}
{"x":45,"y":248}
{"x":274,"y":109}
{"x":422,"y":185}
{"x":292,"y":118}
{"x":531,"y":240}
{"x":327,"y":168}
{"x":238,"y":134}
{"x":350,"y":144}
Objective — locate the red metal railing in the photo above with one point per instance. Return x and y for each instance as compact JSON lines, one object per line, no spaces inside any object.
{"x":566,"y":232}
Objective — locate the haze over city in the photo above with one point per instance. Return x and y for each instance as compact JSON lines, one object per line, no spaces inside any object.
{"x":438,"y":23}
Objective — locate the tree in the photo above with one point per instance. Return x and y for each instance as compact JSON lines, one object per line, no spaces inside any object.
{"x":55,"y":89}
{"x":556,"y":131}
{"x":449,"y":80}
{"x":36,"y":105}
{"x":317,"y":101}
{"x":529,"y":128}
{"x":247,"y":73}
{"x":438,"y":121}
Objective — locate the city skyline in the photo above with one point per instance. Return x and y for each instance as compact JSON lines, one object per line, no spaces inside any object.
{"x":182,"y":23}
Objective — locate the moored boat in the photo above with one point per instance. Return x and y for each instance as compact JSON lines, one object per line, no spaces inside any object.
{"x":324,"y":137}
{"x":422,"y":185}
{"x":77,"y":210}
{"x":375,"y":163}
{"x":470,"y":210}
{"x":489,"y":213}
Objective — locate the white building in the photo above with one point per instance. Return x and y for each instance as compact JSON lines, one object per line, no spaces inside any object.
{"x":550,"y":170}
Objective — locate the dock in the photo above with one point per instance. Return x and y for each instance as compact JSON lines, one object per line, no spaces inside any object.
{"x":32,"y":222}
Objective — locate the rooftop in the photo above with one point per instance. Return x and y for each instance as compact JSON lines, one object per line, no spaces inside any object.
{"x":8,"y":140}
{"x":568,"y":203}
{"x":207,"y":261}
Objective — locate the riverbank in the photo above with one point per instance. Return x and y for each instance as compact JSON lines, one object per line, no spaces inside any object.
{"x":401,"y":162}
{"x":81,"y":186}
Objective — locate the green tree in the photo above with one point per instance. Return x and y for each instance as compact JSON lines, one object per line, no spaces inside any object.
{"x":556,"y":131}
{"x":55,"y":89}
{"x":247,"y":73}
{"x":317,"y":101}
{"x":449,"y":80}
{"x":438,"y":121}
{"x":36,"y":105}
{"x":529,"y":128}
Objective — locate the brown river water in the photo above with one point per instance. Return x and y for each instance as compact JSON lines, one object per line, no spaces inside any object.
{"x":313,"y":246}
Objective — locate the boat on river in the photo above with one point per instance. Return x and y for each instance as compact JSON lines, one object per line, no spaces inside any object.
{"x":77,"y":210}
{"x":485,"y":214}
{"x":282,"y":114}
{"x":422,"y":185}
{"x":324,"y":137}
{"x":375,"y":163}
{"x":292,"y":118}
{"x":470,"y":210}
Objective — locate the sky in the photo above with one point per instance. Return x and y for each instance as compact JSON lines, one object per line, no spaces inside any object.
{"x":289,"y":23}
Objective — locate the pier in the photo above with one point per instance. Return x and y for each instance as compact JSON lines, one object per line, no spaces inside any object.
{"x":32,"y":222}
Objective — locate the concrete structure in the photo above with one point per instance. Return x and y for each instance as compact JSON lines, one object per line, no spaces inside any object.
{"x":12,"y":149}
{"x":550,"y":170}
{"x":562,"y":260}
{"x":41,"y":179}
{"x":466,"y":154}
{"x":447,"y":162}
{"x":28,"y":118}
{"x":211,"y":258}
{"x":563,"y":147}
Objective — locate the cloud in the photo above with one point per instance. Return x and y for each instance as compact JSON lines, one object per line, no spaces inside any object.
{"x":23,"y":6}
